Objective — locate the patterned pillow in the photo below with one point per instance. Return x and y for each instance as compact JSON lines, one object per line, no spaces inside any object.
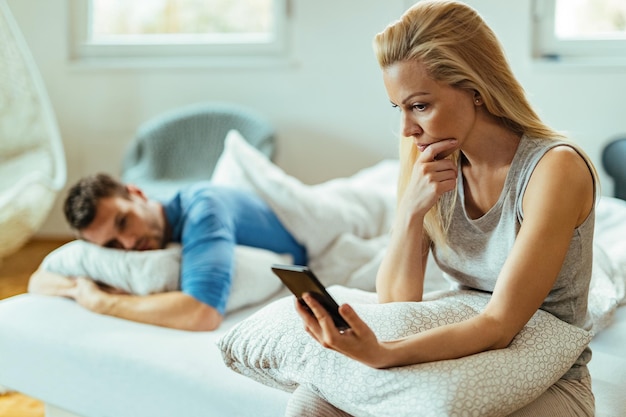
{"x":271,"y":347}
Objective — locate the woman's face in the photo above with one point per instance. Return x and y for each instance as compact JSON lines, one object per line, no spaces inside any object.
{"x":431,"y":111}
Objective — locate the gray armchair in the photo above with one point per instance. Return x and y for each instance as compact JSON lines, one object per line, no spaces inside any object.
{"x":182,"y":146}
{"x":614,"y":163}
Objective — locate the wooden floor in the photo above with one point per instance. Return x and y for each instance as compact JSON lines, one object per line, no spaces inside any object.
{"x":17,"y":268}
{"x":15,"y":271}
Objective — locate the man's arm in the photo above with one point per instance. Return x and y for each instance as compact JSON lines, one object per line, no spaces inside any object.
{"x":170,"y":309}
{"x":49,"y":283}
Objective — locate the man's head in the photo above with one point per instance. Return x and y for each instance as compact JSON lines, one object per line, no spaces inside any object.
{"x":108,"y":213}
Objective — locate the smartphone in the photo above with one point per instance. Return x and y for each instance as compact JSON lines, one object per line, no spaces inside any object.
{"x":300,"y":279}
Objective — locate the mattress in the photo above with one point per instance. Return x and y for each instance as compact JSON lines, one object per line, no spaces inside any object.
{"x":99,"y":366}
{"x":96,"y":366}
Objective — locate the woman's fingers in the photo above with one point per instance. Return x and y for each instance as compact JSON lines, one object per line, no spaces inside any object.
{"x":359,"y":342}
{"x":323,"y":318}
{"x":432,"y":175}
{"x":311,"y":324}
{"x":326,"y":323}
{"x":438,"y":150}
{"x":357,"y":325}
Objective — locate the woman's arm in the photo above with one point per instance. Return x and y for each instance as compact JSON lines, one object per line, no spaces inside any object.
{"x":401,"y":274}
{"x":558,"y":198}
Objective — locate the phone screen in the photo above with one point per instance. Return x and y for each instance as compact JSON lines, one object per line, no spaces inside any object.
{"x":299,"y":280}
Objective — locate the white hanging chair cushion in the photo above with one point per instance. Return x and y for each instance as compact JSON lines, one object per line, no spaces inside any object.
{"x":32,"y":163}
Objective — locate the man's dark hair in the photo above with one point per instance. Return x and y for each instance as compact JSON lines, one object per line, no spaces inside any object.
{"x":82,"y":199}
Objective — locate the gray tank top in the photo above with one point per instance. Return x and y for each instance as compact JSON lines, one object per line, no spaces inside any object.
{"x":478,"y":248}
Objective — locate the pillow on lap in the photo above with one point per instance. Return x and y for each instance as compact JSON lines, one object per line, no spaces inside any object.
{"x":148,"y":272}
{"x":272,"y":347}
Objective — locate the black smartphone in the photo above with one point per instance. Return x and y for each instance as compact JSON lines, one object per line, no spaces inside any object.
{"x":300,"y":279}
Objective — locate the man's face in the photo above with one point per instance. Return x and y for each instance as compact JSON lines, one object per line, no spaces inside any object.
{"x":133,"y":223}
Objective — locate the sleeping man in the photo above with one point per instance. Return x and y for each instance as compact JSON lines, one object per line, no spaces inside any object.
{"x":207,"y":220}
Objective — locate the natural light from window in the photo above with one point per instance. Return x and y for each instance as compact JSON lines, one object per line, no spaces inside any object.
{"x":175,"y":21}
{"x":590,"y":19}
{"x":580,"y":32}
{"x":179,"y":33}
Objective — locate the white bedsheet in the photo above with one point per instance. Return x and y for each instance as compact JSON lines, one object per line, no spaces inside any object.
{"x":608,"y":367}
{"x":98,"y":366}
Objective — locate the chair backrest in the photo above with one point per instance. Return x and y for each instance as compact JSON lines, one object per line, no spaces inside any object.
{"x":186,"y":143}
{"x":614,"y":163}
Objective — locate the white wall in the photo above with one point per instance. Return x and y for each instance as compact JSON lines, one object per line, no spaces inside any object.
{"x":329,"y":105}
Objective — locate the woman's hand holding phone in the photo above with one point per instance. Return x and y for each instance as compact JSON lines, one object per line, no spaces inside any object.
{"x":358,"y":342}
{"x":335,"y":327}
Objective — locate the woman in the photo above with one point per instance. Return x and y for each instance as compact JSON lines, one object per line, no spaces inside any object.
{"x":504,"y":203}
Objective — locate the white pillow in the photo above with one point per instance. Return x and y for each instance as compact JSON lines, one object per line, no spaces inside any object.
{"x":147,"y":272}
{"x":362,"y":204}
{"x":343,"y":223}
{"x":272,"y":347}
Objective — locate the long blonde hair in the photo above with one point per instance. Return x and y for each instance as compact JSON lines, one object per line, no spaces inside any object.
{"x":457,"y":48}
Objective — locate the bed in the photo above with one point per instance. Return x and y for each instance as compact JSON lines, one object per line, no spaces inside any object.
{"x":83,"y":364}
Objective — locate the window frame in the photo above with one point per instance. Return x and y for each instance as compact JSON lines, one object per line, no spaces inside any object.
{"x":547,"y":46}
{"x":185,"y":51}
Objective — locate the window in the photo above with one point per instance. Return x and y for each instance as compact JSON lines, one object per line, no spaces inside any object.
{"x":200,"y":30}
{"x":580,"y":29}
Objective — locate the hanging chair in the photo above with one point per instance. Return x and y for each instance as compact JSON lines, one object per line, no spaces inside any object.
{"x":32,"y":161}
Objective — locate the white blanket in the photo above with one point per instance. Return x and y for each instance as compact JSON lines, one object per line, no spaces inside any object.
{"x":344,"y":223}
{"x":608,"y":281}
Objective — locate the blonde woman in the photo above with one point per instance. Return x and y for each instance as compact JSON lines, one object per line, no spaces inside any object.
{"x":505,"y":204}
